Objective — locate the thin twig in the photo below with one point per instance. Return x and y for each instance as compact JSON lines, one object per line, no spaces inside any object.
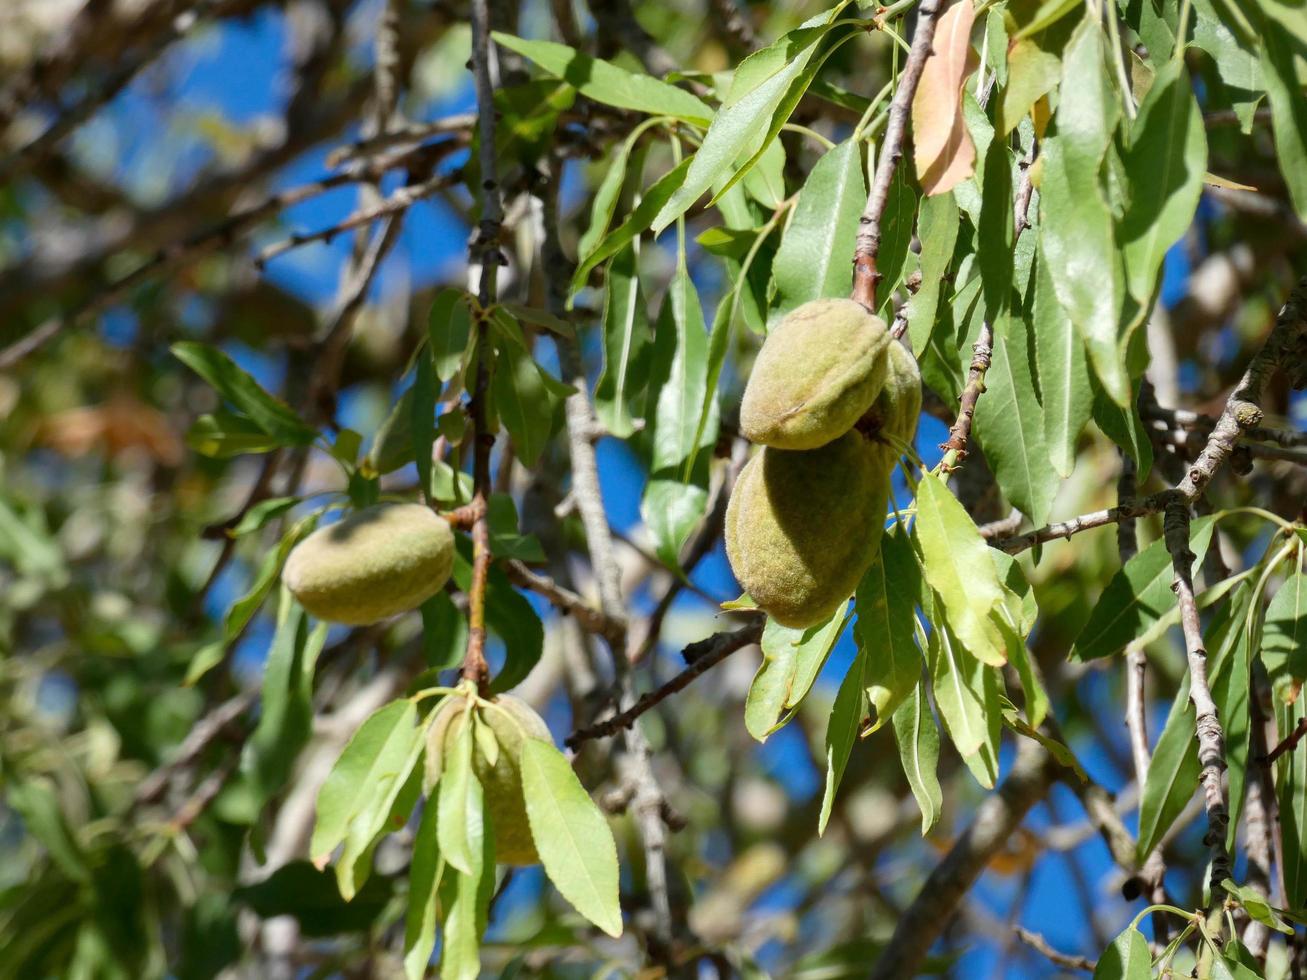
{"x":400,"y":201}
{"x":1289,"y":742}
{"x":701,"y":656}
{"x":592,"y":620}
{"x":982,"y":351}
{"x":1041,"y":945}
{"x":866,"y":276}
{"x":1211,"y":739}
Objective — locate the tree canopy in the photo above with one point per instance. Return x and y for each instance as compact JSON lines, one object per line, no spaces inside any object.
{"x":270,"y":267}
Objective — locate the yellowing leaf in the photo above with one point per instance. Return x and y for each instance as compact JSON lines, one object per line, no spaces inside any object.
{"x":1215,"y":180}
{"x":944,"y":153}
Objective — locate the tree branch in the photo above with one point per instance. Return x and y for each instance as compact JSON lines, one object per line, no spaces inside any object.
{"x":701,"y":656}
{"x":866,"y":276}
{"x":484,"y":248}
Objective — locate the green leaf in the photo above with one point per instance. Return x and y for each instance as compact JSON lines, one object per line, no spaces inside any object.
{"x":444,"y":632}
{"x":627,"y":346}
{"x":918,"y":742}
{"x":996,"y":228}
{"x":841,"y":733}
{"x":1009,"y":424}
{"x":372,"y":760}
{"x":811,"y":262}
{"x":957,"y":566}
{"x":467,"y":904}
{"x":424,"y":876}
{"x":740,"y":130}
{"x":1242,"y":85}
{"x":1127,"y":958}
{"x":959,"y":692}
{"x":1063,"y":374}
{"x":1032,"y":16}
{"x":791,"y":661}
{"x":678,"y":384}
{"x":271,"y":415}
{"x":34,"y":800}
{"x":1123,"y":426}
{"x":223,"y":435}
{"x":262,"y":514}
{"x":386,"y":809}
{"x":609,"y":192}
{"x":422,"y":405}
{"x":654,"y":199}
{"x":309,"y":896}
{"x":1172,"y":774}
{"x":525,"y":406}
{"x":509,"y":616}
{"x":897,"y":222}
{"x":1257,"y":906}
{"x":575,"y":844}
{"x":1076,"y":229}
{"x":1282,"y":67}
{"x":1165,"y":162}
{"x":461,"y":820}
{"x":449,"y":329}
{"x":286,"y":705}
{"x":1291,"y":792}
{"x":1284,"y":636}
{"x":604,"y":82}
{"x":671,"y":510}
{"x":886,"y":605}
{"x":1136,"y":597}
{"x":1033,"y":67}
{"x":937,"y":229}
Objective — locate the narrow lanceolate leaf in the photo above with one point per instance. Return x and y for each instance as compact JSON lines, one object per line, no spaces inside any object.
{"x":738,"y":132}
{"x":842,"y":733}
{"x":604,"y":82}
{"x":424,"y":876}
{"x":1009,"y":425}
{"x":996,"y":228}
{"x":626,"y":347}
{"x":943,"y":150}
{"x":670,"y":510}
{"x":896,"y":228}
{"x":1164,"y":163}
{"x":1063,"y":374}
{"x":525,"y":405}
{"x":1240,"y":71}
{"x":956,"y":564}
{"x":1034,"y":66}
{"x":387,"y":804}
{"x":1138,"y":595}
{"x":1172,"y":774}
{"x":1076,"y":231}
{"x":937,"y":230}
{"x":886,"y":605}
{"x":918,"y":742}
{"x":636,"y":222}
{"x":373,"y":757}
{"x":1291,"y":789}
{"x":1284,"y":86}
{"x":678,"y":384}
{"x":422,"y":408}
{"x":959,"y":692}
{"x":449,"y":330}
{"x":270,"y":414}
{"x":287,"y":700}
{"x":467,"y":904}
{"x":461,"y":820}
{"x":810,"y":263}
{"x":1284,"y":637}
{"x":792,"y":659}
{"x":1127,"y":958}
{"x":575,"y":843}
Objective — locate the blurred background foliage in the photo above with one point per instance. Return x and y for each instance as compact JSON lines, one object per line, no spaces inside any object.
{"x":133,"y":841}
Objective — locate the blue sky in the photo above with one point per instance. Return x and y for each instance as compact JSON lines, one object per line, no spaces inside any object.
{"x":236,"y":72}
